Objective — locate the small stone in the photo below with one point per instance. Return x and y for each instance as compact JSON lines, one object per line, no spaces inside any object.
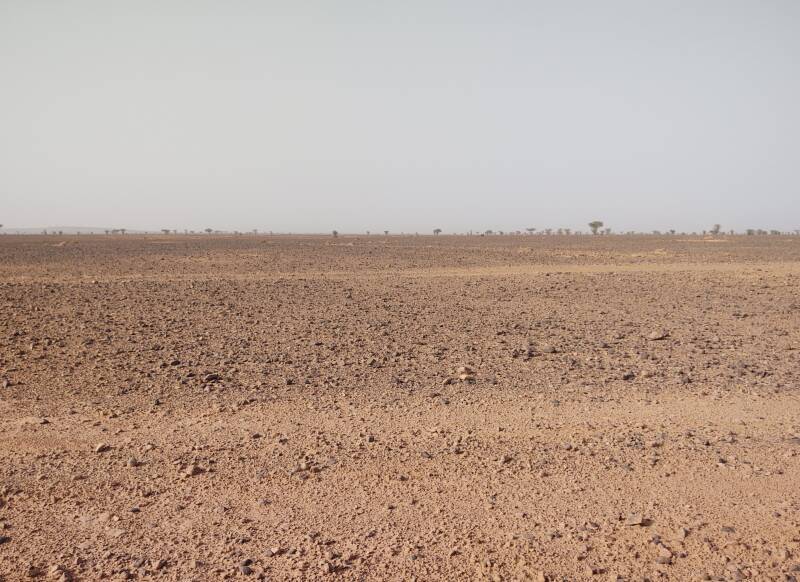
{"x":658,"y":335}
{"x":664,"y":556}
{"x":133,"y":462}
{"x":4,"y":539}
{"x":101,"y":448}
{"x":193,"y":470}
{"x":635,"y":519}
{"x":627,"y":376}
{"x":246,"y":570}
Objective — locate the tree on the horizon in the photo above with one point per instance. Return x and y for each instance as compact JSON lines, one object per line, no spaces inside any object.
{"x":386,"y":233}
{"x":715,"y":229}
{"x":596,"y":225}
{"x":165,"y":230}
{"x":209,"y":230}
{"x":530,"y":230}
{"x":437,"y":231}
{"x":335,"y":233}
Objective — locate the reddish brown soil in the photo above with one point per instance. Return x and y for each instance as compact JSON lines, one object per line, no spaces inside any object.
{"x":371,"y":408}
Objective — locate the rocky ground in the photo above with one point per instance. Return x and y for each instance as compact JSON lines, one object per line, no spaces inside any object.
{"x":399,"y":408}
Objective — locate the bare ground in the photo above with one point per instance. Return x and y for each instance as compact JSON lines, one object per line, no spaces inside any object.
{"x":373,"y":408}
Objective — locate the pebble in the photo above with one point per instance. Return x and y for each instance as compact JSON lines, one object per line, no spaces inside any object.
{"x":101,"y":448}
{"x":635,"y":519}
{"x":193,"y":470}
{"x":658,"y":335}
{"x":664,"y":556}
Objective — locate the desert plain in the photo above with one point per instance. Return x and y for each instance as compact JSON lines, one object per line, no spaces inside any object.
{"x":399,"y":408}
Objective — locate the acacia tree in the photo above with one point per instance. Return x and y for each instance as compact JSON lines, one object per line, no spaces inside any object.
{"x":437,"y":231}
{"x":209,"y":230}
{"x":596,"y":225}
{"x":715,"y":229}
{"x":165,"y":230}
{"x":530,"y":230}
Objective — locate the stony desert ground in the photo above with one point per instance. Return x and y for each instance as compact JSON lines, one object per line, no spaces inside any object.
{"x":399,"y":408}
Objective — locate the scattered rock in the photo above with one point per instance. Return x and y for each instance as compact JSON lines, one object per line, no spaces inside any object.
{"x":664,"y":555}
{"x":658,"y":335}
{"x":635,"y":519}
{"x":193,"y":470}
{"x":101,"y":448}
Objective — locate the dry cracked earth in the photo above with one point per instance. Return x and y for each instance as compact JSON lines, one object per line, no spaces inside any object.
{"x":399,"y":408}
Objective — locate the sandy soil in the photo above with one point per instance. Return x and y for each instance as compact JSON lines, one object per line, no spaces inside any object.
{"x":399,"y":408}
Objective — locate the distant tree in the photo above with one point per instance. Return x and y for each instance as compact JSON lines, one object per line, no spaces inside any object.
{"x":209,"y":230}
{"x":122,"y":230}
{"x":335,"y":233}
{"x":607,"y":231}
{"x":437,"y":231}
{"x":165,"y":230}
{"x":750,"y":232}
{"x":530,"y":230}
{"x":385,"y":233}
{"x":568,"y":231}
{"x":560,"y":231}
{"x":106,"y":231}
{"x":774,"y":232}
{"x":761,"y":231}
{"x":715,"y":229}
{"x":672,"y":231}
{"x":596,"y":225}
{"x":796,"y":230}
{"x":488,"y":232}
{"x":657,"y":232}
{"x":367,"y":233}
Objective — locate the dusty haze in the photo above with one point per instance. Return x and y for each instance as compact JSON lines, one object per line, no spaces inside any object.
{"x":360,"y":116}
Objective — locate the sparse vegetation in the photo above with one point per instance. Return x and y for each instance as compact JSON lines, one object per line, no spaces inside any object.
{"x":596,"y":225}
{"x":437,"y":231}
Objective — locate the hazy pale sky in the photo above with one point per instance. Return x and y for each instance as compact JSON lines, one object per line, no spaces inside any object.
{"x":372,"y":115}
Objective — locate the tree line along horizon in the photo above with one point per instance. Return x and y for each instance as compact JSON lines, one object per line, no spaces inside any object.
{"x":596,"y":227}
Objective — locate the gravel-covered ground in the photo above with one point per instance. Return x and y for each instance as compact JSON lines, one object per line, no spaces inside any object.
{"x":399,"y":408}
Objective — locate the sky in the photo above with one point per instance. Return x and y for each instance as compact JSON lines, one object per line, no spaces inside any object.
{"x":313,"y":115}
